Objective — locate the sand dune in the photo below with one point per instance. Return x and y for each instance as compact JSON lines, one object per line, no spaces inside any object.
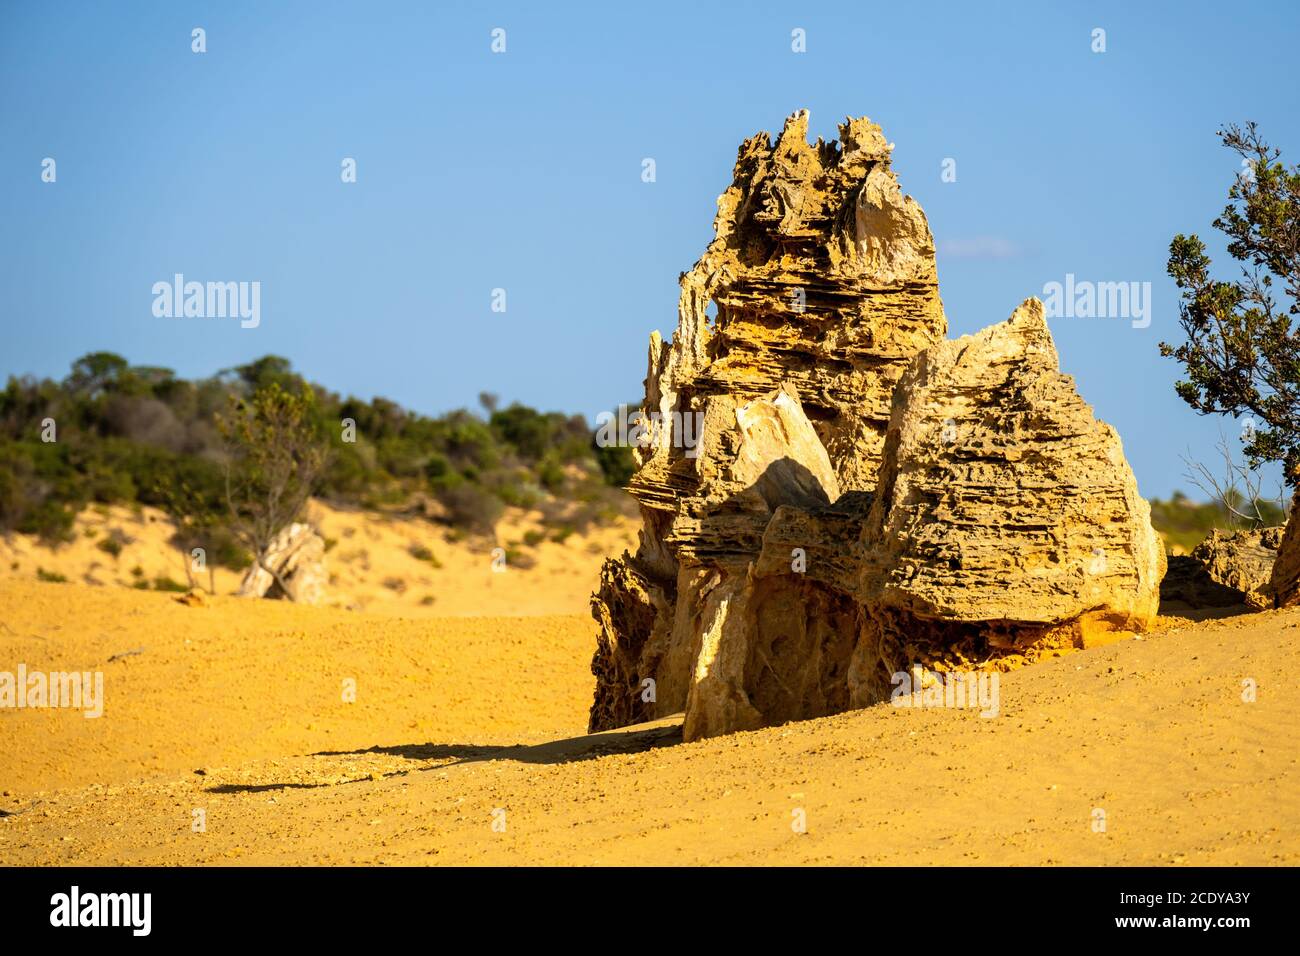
{"x":236,"y":709}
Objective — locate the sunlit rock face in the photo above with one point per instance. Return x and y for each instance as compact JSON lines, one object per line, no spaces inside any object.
{"x":1006,"y":513}
{"x":802,"y":503}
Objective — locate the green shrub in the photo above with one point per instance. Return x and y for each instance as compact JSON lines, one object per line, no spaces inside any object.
{"x":136,"y":435}
{"x":517,"y":490}
{"x":616,"y":463}
{"x":51,"y":520}
{"x":471,"y":507}
{"x":550,"y":473}
{"x":421,"y":553}
{"x":519,"y":559}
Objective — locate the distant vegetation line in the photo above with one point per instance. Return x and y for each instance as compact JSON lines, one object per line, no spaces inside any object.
{"x":1184,"y":523}
{"x":114,"y":433}
{"x":139,"y":435}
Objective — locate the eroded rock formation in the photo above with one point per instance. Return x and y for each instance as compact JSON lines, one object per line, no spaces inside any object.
{"x":1006,"y":514}
{"x":1284,"y":581}
{"x":823,"y":277}
{"x":863,"y":495}
{"x":1226,"y":569}
{"x":822,"y":282}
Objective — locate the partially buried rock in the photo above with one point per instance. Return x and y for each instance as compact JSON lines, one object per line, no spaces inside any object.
{"x":297,"y":556}
{"x":1241,"y":563}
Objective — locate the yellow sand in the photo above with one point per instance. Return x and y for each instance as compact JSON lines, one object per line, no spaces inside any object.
{"x":237,"y":709}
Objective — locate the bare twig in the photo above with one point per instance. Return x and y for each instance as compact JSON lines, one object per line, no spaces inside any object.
{"x":1237,"y":490}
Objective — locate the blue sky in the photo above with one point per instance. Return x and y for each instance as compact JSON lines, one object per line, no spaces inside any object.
{"x":522,"y":171}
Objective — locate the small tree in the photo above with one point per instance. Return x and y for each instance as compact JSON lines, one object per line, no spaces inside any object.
{"x":276,"y":454}
{"x":198,"y":512}
{"x":1242,"y":353}
{"x":191,"y":520}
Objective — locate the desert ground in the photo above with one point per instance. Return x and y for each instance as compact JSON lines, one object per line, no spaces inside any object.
{"x":228,"y":736}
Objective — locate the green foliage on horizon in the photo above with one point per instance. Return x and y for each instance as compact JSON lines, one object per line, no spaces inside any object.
{"x":1184,"y":523}
{"x":139,"y":435}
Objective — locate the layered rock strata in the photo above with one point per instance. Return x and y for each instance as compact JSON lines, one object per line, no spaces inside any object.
{"x":864,"y":496}
{"x":1227,"y":568}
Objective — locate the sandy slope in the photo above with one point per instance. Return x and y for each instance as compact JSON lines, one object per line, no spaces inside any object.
{"x":375,"y":563}
{"x":457,"y":718}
